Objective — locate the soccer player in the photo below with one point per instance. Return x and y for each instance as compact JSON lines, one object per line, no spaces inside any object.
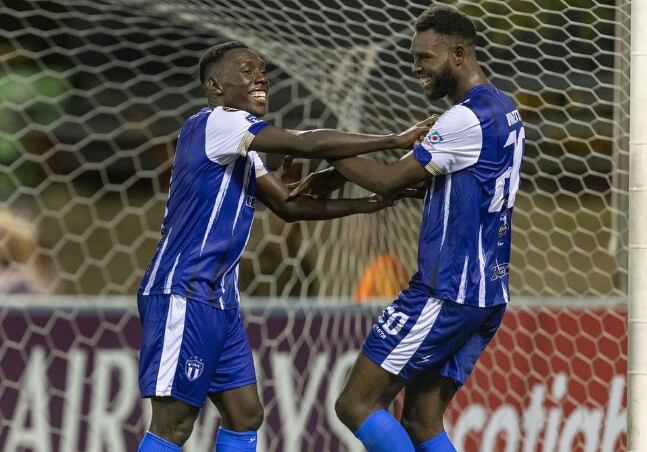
{"x":193,"y":340}
{"x":429,"y":339}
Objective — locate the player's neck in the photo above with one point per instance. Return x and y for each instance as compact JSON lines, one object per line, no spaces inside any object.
{"x":214,"y":101}
{"x":473,"y":77}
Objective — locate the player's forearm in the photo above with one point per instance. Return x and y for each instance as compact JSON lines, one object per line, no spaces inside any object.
{"x":369,"y":174}
{"x":333,"y":144}
{"x":305,"y":208}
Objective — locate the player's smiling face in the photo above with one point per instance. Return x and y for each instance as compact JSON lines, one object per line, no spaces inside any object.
{"x":432,"y":64}
{"x":243,"y":81}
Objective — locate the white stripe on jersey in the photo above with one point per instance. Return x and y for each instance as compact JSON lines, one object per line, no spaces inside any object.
{"x":173,"y":333}
{"x":482,"y":269}
{"x":403,"y":352}
{"x":430,"y":194}
{"x":151,"y":278}
{"x":236,"y":284}
{"x":448,"y":193}
{"x":243,"y":193}
{"x":241,"y":199}
{"x":169,"y":277}
{"x":222,"y":190}
{"x":461,"y":288}
{"x":235,"y":263}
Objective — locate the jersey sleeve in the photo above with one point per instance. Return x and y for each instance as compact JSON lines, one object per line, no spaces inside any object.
{"x":229,"y":133}
{"x":259,"y":166}
{"x":453,"y":143}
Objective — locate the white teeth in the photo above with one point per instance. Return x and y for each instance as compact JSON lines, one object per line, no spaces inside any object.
{"x":261,"y":95}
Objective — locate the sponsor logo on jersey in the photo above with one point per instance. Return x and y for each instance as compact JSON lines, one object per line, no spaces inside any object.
{"x":379,"y":332}
{"x":251,"y":118}
{"x":193,"y":368}
{"x":250,"y":201}
{"x":500,"y":270}
{"x":503,"y":227}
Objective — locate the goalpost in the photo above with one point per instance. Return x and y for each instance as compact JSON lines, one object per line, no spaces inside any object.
{"x":637,"y":319}
{"x":92,"y":95}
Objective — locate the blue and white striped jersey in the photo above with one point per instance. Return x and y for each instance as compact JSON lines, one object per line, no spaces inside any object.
{"x":210,"y":208}
{"x":474,"y":152}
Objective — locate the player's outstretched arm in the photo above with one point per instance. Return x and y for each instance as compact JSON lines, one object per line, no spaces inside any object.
{"x":327,"y":143}
{"x":274,"y":194}
{"x":319,"y":184}
{"x":388,"y":180}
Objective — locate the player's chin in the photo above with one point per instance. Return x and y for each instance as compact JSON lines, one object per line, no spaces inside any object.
{"x":435,"y":94}
{"x":258,"y":108}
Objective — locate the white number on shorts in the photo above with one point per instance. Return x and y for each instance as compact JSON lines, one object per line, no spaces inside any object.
{"x":394,"y":320}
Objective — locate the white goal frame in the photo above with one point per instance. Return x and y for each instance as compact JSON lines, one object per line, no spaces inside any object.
{"x":637,"y":316}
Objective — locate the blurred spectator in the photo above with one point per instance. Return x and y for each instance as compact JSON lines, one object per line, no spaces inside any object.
{"x":21,"y":268}
{"x":383,"y":278}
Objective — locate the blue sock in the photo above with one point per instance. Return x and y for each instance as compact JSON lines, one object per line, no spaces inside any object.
{"x":153,"y":443}
{"x":227,"y":440}
{"x":380,"y":432}
{"x":439,"y":443}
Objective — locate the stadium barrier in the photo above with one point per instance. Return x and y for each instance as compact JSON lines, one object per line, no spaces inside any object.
{"x":552,"y":380}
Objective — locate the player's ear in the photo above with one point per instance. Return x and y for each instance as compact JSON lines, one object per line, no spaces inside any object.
{"x":459,"y":54}
{"x":213,"y":86}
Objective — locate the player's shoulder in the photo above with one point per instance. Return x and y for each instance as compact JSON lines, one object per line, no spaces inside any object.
{"x":458,"y":124}
{"x":458,"y":117}
{"x":195,"y":121}
{"x":229,"y":113}
{"x":203,"y":113}
{"x":487,"y":100}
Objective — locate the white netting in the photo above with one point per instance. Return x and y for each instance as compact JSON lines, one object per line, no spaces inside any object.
{"x":94,"y":92}
{"x":92,"y":95}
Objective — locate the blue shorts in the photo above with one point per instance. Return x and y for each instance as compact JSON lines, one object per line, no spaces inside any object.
{"x":190,"y":349}
{"x":416,"y":334}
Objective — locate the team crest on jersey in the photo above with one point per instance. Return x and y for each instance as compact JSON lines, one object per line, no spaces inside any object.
{"x":193,"y":368}
{"x":251,"y":118}
{"x":500,"y":270}
{"x":250,"y":201}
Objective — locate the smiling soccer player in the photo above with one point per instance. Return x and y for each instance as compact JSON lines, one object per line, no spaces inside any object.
{"x":429,"y":339}
{"x":194,"y":344}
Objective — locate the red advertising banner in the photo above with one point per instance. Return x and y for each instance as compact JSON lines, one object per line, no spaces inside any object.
{"x":553,"y":379}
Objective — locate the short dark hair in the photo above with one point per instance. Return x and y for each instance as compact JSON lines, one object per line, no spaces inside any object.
{"x":447,"y":21}
{"x":214,"y":54}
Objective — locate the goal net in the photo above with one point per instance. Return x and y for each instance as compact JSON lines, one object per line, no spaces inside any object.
{"x":93,"y":93}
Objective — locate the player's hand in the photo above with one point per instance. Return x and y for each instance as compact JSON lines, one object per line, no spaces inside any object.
{"x":411,"y":136}
{"x":411,"y":192}
{"x":287,"y":162}
{"x":417,"y":191}
{"x":318,"y":184}
{"x":377,"y":202}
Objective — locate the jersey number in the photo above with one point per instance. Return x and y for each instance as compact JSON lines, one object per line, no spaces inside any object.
{"x":515,"y":138}
{"x":394,"y":320}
